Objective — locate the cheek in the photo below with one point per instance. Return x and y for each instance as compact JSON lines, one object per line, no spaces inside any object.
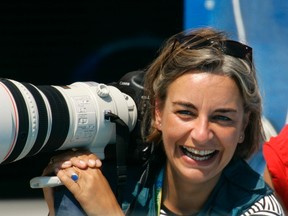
{"x":171,"y":137}
{"x":228,"y":138}
{"x":174,"y":130}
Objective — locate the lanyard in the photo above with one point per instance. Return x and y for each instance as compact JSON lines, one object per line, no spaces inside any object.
{"x":159,"y":185}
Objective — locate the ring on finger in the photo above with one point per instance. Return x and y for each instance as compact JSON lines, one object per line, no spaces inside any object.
{"x":74,"y":177}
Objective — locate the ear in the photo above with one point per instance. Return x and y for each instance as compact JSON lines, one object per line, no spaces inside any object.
{"x":158,"y":114}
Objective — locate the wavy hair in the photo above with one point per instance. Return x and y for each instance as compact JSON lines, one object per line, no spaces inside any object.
{"x":205,"y":50}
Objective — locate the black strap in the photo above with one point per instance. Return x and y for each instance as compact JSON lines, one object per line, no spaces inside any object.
{"x":122,"y":143}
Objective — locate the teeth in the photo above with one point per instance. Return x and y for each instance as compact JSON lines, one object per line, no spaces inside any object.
{"x":199,"y":158}
{"x":198,"y":152}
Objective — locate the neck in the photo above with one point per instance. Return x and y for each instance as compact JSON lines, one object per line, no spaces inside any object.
{"x":183,"y":196}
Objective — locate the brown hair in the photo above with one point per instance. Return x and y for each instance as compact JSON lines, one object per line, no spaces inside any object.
{"x":179,"y":57}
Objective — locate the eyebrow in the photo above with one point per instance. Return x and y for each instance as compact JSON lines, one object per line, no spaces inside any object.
{"x":226,"y":110}
{"x":191,"y":106}
{"x":184,"y":104}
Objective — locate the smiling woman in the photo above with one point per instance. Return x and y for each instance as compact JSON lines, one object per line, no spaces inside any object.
{"x":207,"y":120}
{"x":203,"y":120}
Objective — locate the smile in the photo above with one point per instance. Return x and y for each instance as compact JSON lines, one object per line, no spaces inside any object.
{"x":199,"y":155}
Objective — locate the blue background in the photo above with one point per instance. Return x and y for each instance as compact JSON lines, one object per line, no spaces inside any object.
{"x":262,"y":24}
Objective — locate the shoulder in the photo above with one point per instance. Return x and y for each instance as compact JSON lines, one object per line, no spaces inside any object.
{"x":243,"y":177}
{"x":241,"y":187}
{"x":268,"y":205}
{"x":251,"y":191}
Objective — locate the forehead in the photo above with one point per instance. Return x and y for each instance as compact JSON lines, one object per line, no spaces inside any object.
{"x":200,"y":86}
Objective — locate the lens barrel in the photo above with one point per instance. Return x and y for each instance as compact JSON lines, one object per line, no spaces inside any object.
{"x":48,"y":118}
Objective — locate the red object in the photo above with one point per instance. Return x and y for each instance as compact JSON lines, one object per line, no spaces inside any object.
{"x":276,"y":155}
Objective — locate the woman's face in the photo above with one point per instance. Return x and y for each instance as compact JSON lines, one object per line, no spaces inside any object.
{"x":202,"y":122}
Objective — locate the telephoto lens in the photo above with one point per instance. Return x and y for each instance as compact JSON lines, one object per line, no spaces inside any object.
{"x":48,"y":118}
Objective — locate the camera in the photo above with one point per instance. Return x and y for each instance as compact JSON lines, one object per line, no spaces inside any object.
{"x":48,"y":118}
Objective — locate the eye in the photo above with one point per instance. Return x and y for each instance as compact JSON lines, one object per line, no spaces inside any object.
{"x":221,"y":118}
{"x":185,"y":113}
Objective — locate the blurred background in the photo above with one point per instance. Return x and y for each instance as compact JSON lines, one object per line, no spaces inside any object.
{"x":58,"y":43}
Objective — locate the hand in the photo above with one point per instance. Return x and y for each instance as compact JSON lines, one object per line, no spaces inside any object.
{"x":81,"y":159}
{"x":92,"y":191}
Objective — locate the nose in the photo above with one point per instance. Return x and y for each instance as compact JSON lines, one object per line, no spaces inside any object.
{"x":201,"y":132}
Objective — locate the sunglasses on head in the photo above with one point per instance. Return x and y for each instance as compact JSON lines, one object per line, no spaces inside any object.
{"x":228,"y":47}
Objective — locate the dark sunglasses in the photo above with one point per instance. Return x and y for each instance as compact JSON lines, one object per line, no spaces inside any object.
{"x":228,"y":47}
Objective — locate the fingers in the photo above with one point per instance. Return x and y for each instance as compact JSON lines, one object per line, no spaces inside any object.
{"x":80,"y":158}
{"x":66,"y":178}
{"x":85,"y":159}
{"x":91,"y":190}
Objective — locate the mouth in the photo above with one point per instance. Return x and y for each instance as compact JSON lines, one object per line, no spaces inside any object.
{"x":198,"y":155}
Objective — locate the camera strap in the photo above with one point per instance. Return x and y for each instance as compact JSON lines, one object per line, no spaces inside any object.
{"x":122,"y":143}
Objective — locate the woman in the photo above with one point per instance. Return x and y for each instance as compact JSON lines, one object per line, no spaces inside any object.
{"x":203,"y":120}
